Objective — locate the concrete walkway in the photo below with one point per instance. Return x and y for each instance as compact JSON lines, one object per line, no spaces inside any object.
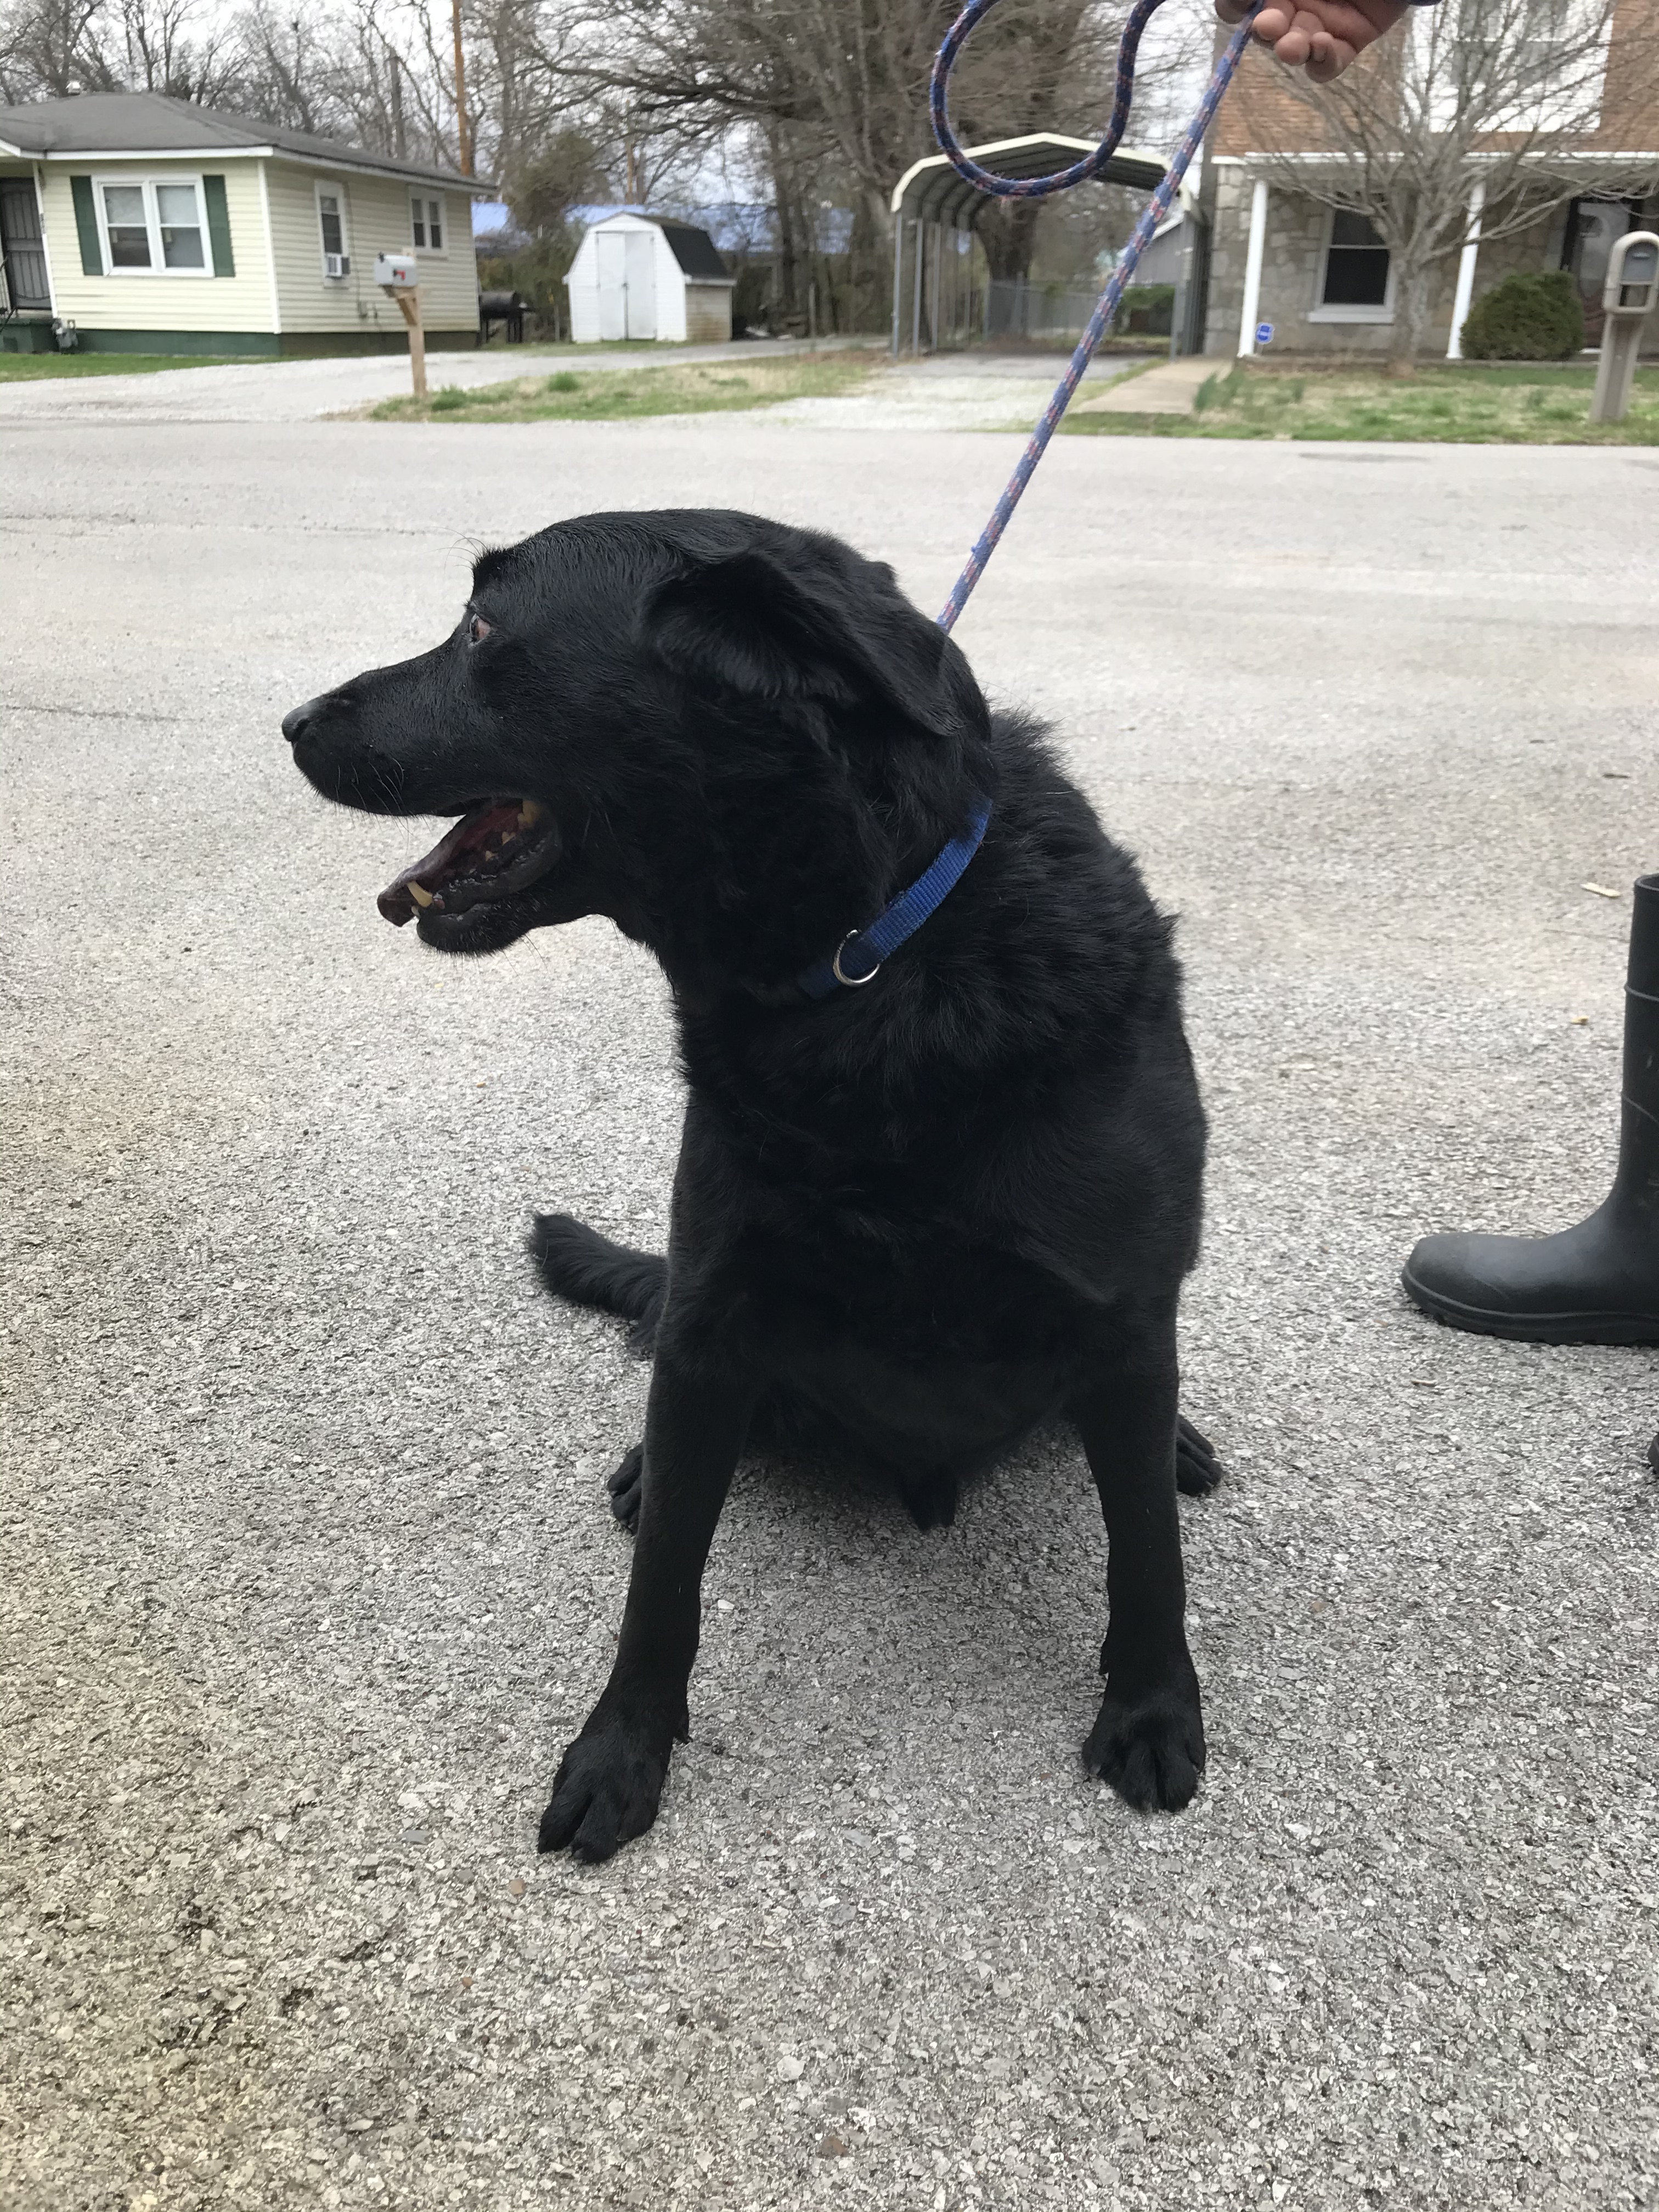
{"x":1167,"y":389}
{"x":308,"y":1573}
{"x":951,"y":391}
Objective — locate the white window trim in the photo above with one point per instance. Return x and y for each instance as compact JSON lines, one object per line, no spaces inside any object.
{"x":158,"y":267}
{"x":426,"y":196}
{"x":337,"y":191}
{"x":1339,"y":313}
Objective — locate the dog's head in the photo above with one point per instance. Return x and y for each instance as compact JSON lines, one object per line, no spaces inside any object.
{"x":670,"y":718}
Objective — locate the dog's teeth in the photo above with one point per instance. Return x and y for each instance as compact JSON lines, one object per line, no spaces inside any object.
{"x":419,"y":894}
{"x":531,"y":813}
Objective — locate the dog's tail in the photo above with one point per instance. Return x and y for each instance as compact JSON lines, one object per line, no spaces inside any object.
{"x":575,"y":1262}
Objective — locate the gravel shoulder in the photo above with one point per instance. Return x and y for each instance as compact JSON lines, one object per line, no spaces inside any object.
{"x":308,"y":1573}
{"x":308,"y":390}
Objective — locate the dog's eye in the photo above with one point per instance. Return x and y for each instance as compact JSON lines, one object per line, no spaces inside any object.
{"x":477,"y":629}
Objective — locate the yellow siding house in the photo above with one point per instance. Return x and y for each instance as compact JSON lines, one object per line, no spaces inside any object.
{"x":153,"y":227}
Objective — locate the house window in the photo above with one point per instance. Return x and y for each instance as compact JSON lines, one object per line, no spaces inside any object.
{"x":127,"y":221}
{"x":1356,"y":263}
{"x":426,"y":223}
{"x":331,"y":225}
{"x":155,"y":224}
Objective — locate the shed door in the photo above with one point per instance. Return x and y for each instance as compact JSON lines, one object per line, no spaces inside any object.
{"x":610,"y":248}
{"x":642,"y":283}
{"x":20,"y":244}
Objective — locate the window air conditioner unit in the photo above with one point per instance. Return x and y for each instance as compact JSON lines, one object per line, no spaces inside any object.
{"x":336,"y":264}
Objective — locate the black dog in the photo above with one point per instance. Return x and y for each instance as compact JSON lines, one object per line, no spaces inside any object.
{"x":916,"y":1218}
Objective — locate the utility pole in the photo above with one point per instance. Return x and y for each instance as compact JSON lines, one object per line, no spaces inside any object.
{"x":399,"y":134}
{"x":462,"y":134}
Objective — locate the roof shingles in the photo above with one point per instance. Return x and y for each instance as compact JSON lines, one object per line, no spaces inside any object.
{"x":108,"y":123}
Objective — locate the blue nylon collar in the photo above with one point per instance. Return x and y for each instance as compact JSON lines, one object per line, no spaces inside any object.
{"x":859,"y":956}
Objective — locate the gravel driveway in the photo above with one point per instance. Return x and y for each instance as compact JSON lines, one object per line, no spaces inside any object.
{"x":946,"y":392}
{"x":308,"y":1569}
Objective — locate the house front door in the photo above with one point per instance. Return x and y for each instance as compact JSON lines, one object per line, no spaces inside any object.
{"x":1593,"y":228}
{"x":20,"y":245}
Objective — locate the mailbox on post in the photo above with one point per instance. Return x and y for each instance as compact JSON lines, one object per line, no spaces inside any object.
{"x":1628,"y":299}
{"x":398,"y":275}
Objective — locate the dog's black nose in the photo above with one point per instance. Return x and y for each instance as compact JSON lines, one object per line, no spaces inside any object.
{"x":299,"y":719}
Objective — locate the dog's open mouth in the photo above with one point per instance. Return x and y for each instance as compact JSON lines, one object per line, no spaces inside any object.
{"x":500,"y":847}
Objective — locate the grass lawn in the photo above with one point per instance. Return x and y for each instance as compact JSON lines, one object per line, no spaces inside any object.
{"x":1471,"y":405}
{"x":20,"y":367}
{"x":620,"y":395}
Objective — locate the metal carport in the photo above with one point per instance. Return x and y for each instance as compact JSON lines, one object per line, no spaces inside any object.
{"x":930,"y":196}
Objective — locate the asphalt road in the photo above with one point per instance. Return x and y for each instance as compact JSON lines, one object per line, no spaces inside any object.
{"x":307,"y":1573}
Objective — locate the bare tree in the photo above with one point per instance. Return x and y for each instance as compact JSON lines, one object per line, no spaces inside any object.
{"x":840,"y":86}
{"x":52,"y":48}
{"x":166,"y":45}
{"x":1491,"y":109}
{"x":285,"y":66}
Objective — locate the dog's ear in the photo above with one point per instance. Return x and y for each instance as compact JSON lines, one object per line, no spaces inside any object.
{"x":752,"y":625}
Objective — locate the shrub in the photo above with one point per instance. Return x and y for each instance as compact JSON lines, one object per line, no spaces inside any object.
{"x":1147,"y":310}
{"x":446,"y":401}
{"x":1538,"y":317}
{"x":562,"y":380}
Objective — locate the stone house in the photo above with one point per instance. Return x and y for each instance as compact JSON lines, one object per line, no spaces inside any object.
{"x":1261,"y":253}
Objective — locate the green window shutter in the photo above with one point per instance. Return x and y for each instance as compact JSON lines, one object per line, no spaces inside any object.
{"x":86,"y":222}
{"x":218,"y":215}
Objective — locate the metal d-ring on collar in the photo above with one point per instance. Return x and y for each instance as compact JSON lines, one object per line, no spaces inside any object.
{"x":902,"y":919}
{"x":853,"y":982}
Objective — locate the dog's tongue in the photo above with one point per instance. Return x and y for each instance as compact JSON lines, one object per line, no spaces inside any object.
{"x":495,"y":823}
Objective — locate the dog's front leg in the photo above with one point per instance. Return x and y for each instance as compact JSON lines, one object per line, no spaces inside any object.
{"x":1148,"y":1741}
{"x":611,"y":1776}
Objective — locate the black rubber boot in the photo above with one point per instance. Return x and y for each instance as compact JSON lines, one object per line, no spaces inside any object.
{"x":1599,"y":1283}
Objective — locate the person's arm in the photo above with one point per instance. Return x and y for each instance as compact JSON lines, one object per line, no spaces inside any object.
{"x":1322,"y":36}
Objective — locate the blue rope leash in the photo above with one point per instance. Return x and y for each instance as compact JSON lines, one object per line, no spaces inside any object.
{"x":858,"y":957}
{"x":1017,"y":188}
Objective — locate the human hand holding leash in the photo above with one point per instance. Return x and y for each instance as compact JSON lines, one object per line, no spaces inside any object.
{"x":1322,"y":36}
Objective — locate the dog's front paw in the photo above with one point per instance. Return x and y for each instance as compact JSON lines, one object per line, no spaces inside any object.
{"x":627,"y":1487}
{"x":608,"y":1784}
{"x":1197,"y":1468}
{"x":1149,"y":1744}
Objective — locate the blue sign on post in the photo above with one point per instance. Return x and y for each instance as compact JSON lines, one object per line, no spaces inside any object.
{"x":1264,"y":333}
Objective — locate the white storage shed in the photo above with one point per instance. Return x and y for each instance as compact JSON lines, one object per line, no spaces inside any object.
{"x":648,"y":276}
